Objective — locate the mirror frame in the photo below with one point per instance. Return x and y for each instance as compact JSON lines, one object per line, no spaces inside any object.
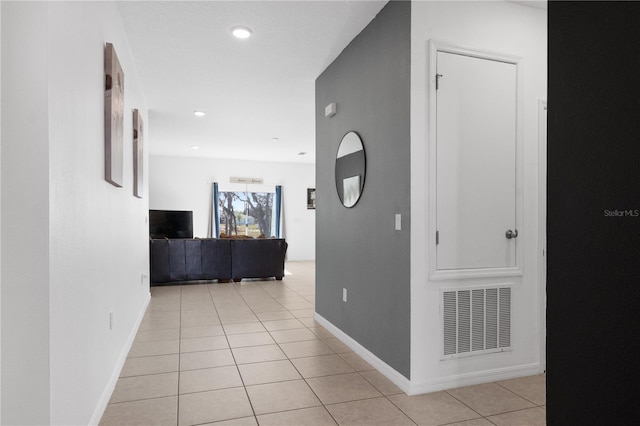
{"x":350,"y":169}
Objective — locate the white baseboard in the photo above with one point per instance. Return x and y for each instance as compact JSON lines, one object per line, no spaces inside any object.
{"x":111,"y":384}
{"x":475,"y":378}
{"x":398,"y":379}
{"x":433,"y":385}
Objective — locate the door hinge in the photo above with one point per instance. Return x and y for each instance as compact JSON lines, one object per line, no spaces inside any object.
{"x":438,"y":81}
{"x":437,"y":237}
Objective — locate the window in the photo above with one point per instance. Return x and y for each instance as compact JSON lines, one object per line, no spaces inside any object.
{"x":247,"y":213}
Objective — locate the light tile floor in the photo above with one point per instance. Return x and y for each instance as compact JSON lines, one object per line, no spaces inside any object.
{"x":250,"y":353}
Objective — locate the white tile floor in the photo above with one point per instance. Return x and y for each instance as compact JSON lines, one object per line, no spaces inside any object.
{"x":250,"y":353}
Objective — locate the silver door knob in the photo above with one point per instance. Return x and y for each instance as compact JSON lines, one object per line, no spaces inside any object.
{"x":511,"y":234}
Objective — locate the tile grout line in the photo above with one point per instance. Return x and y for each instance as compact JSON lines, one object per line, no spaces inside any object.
{"x":235,"y":362}
{"x":518,"y":395}
{"x":463,"y":403}
{"x":289,"y":359}
{"x":179,"y":356}
{"x":322,"y":404}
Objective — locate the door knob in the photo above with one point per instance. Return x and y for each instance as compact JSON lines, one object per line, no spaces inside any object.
{"x":511,"y":234}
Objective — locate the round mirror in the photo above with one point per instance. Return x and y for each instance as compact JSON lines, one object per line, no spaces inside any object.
{"x":350,"y":169}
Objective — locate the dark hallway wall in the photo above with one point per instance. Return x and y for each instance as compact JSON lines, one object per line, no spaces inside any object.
{"x":593,"y":284}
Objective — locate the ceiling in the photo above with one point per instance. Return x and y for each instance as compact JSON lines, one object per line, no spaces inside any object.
{"x":258,"y":93}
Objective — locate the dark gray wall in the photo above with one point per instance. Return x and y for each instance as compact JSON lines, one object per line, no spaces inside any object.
{"x":357,"y":248}
{"x":593,"y":291}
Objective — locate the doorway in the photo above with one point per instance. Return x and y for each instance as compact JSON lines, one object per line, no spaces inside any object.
{"x":542,"y":238}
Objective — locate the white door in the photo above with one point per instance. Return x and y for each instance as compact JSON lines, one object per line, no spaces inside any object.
{"x":476,"y":162}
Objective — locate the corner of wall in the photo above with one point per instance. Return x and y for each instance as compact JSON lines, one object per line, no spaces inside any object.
{"x":358,"y":248}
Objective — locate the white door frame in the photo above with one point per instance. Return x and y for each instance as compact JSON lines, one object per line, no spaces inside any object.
{"x":542,"y":227}
{"x":433,"y":274}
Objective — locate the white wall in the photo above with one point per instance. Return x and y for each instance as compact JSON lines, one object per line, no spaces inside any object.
{"x":25,"y":222}
{"x":78,"y":246}
{"x":499,"y":27}
{"x":185,"y":183}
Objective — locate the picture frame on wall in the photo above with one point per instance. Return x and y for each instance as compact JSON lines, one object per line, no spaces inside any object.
{"x":113,"y":117}
{"x":138,"y":154}
{"x":311,"y":198}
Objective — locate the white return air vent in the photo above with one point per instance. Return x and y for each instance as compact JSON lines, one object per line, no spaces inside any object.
{"x":476,"y":321}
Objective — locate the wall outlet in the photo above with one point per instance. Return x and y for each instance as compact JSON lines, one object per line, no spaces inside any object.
{"x":110,"y":320}
{"x":344,"y":294}
{"x":143,"y":277}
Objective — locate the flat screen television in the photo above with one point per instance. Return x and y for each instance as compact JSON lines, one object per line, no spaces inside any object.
{"x":170,"y":224}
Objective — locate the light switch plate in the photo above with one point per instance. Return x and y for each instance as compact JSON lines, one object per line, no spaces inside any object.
{"x":398,"y":222}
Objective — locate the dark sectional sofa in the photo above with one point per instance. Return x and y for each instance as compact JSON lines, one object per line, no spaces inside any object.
{"x":221,"y":259}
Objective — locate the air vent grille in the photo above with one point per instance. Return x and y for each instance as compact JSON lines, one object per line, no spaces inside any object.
{"x":476,"y":321}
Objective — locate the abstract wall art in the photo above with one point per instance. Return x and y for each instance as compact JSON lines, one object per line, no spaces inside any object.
{"x":138,"y":154}
{"x":113,"y":117}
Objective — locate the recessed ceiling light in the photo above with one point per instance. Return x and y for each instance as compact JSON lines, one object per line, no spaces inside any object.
{"x":302,"y":153}
{"x":195,"y":147}
{"x":241,"y":32}
{"x":275,"y":139}
{"x":199,"y":113}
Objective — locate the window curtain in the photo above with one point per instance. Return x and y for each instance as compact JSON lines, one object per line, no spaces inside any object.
{"x":279,"y":209}
{"x":214,"y":214}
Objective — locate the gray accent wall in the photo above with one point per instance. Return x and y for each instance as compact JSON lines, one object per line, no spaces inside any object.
{"x":358,"y":248}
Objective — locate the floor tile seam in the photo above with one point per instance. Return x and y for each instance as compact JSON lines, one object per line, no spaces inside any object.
{"x":307,"y":356}
{"x":235,"y":362}
{"x":462,"y":402}
{"x":210,"y":390}
{"x":313,"y":356}
{"x":152,"y":356}
{"x":142,"y":399}
{"x":383,"y":396}
{"x":280,"y":382}
{"x":357,"y":400}
{"x":146,"y":399}
{"x":274,"y":381}
{"x":415,"y":422}
{"x":225,"y":420}
{"x":149,"y":374}
{"x":285,"y":329}
{"x":250,"y":346}
{"x":511,"y":411}
{"x":299,"y":409}
{"x":516,"y":394}
{"x":458,"y":421}
{"x":374,"y":386}
{"x":309,"y":386}
{"x":206,"y":350}
{"x":256,"y":313}
{"x":199,"y":313}
{"x":289,"y":329}
{"x":146,"y":356}
{"x":179,"y":360}
{"x":263,"y":362}
{"x":155,"y":340}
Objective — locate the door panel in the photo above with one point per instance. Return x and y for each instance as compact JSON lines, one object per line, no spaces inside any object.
{"x":476,"y":162}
